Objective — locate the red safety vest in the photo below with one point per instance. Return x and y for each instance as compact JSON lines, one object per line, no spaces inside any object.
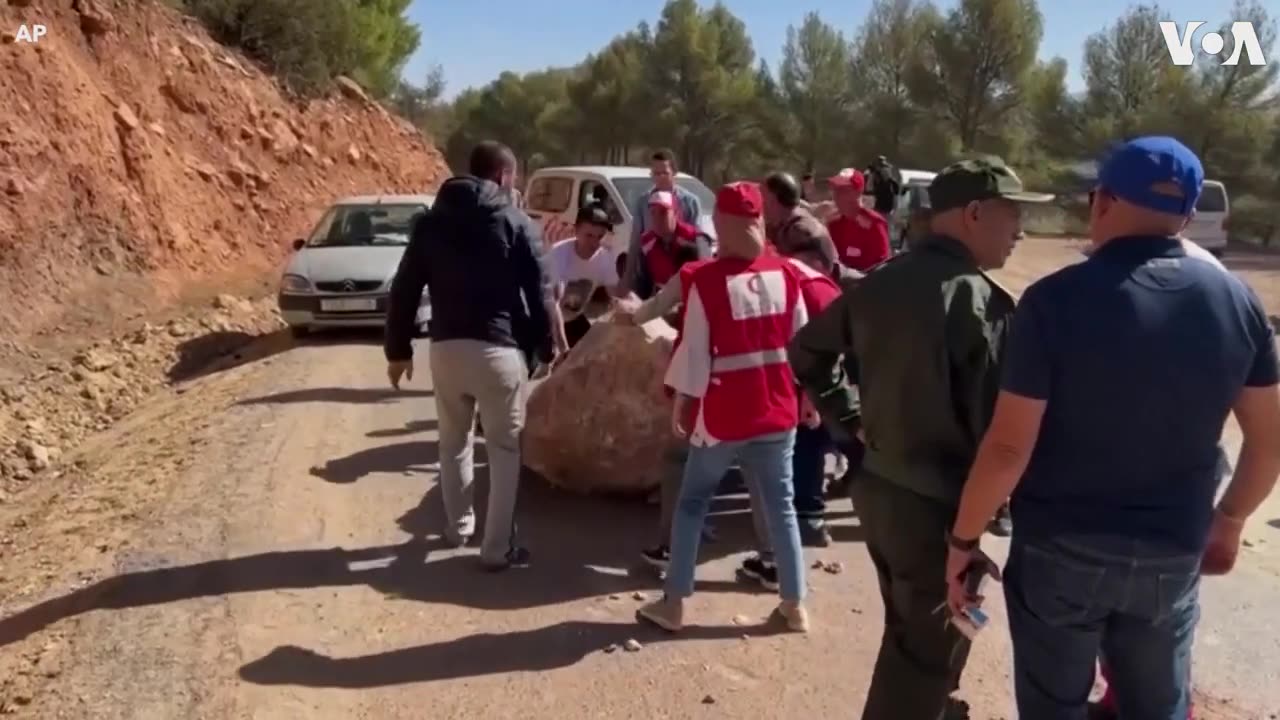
{"x":664,"y":260}
{"x":817,"y":290}
{"x":752,"y":390}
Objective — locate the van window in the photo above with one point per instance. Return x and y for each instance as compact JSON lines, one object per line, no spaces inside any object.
{"x":1213,"y":199}
{"x":632,"y":189}
{"x":550,"y":194}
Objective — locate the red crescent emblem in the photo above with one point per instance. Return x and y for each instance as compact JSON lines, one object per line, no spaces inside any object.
{"x":755,"y":284}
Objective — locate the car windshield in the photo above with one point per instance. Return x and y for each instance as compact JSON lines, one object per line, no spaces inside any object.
{"x":348,"y":225}
{"x":1212,"y":199}
{"x":632,"y":189}
{"x":915,"y":197}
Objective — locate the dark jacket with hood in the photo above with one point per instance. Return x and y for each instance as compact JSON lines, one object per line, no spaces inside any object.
{"x":480,"y":259}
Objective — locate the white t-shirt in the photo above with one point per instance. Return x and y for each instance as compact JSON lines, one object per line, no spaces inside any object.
{"x":566,"y":265}
{"x":580,"y":277}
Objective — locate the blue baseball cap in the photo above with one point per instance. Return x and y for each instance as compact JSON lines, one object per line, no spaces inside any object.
{"x":1155,"y":172}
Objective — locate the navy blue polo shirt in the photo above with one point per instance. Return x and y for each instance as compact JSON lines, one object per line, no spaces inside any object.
{"x":1140,"y":352}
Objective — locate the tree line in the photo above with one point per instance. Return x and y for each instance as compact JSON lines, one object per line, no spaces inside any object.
{"x":306,"y":44}
{"x":917,"y":84}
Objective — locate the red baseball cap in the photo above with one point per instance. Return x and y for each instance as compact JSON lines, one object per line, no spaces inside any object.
{"x":662,"y":198}
{"x":741,"y":199}
{"x":849,"y":178}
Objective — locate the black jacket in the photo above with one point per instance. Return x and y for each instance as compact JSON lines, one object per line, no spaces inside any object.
{"x":481,"y":260}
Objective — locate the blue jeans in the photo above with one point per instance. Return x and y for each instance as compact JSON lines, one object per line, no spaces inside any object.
{"x":1071,"y":599}
{"x":766,"y":462}
{"x":808,"y":473}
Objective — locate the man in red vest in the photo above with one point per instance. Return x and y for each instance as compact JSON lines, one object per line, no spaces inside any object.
{"x":861,"y":236}
{"x":668,"y":243}
{"x":736,"y":399}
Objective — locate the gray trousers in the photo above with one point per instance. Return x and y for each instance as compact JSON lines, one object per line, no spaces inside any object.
{"x":470,"y":374}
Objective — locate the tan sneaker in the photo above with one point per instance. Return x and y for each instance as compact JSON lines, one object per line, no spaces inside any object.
{"x":794,"y":615}
{"x":666,"y":614}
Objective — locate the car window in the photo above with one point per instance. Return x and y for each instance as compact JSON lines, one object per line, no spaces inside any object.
{"x":919,"y":197}
{"x":1212,"y":199}
{"x":549,"y":194}
{"x":346,"y":225}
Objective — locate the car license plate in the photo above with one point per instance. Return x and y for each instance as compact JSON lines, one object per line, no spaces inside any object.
{"x":349,"y":305}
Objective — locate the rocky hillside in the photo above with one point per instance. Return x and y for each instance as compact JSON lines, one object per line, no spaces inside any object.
{"x":150,"y":180}
{"x":138,"y":158}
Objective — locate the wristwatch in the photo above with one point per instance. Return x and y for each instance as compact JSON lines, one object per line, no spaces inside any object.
{"x":962,"y":545}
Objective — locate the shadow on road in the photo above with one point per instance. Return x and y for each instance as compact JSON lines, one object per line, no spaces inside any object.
{"x":410,"y":428}
{"x":344,"y":336}
{"x":1275,"y":523}
{"x":407,"y":458}
{"x":582,"y":547}
{"x":546,"y":648}
{"x":218,"y":351}
{"x":365,"y":396}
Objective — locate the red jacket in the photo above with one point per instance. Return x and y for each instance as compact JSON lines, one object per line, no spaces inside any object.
{"x":663,"y":261}
{"x":862,"y":241}
{"x":752,"y":391}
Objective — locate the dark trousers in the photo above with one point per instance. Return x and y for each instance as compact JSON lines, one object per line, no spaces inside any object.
{"x":574,"y":329}
{"x":1069,"y":597}
{"x":808,"y":473}
{"x":921,"y":657}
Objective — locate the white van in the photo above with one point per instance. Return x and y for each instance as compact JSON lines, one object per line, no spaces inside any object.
{"x":913,"y":195}
{"x":1208,"y":228}
{"x":554,"y":194}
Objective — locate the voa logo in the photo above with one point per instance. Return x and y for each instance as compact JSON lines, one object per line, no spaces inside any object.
{"x":30,"y":33}
{"x":1212,"y":43}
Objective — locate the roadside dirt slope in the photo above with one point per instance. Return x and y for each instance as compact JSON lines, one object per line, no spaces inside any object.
{"x":138,"y":158}
{"x":147,"y":172}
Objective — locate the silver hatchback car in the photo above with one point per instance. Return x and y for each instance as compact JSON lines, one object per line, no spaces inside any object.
{"x":341,"y":275}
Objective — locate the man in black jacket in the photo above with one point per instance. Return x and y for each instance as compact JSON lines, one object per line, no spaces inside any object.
{"x":481,"y":259}
{"x":886,"y":184}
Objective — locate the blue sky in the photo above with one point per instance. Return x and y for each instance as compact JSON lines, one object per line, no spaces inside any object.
{"x":475,"y":41}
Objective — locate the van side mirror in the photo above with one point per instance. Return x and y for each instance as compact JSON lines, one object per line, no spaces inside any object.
{"x":299,"y":244}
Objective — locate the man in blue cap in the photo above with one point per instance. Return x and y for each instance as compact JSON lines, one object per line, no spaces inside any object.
{"x":1119,"y":374}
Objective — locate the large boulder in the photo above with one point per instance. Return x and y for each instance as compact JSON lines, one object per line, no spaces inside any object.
{"x":600,"y":423}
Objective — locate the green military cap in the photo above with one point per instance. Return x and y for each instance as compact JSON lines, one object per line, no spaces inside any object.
{"x":981,"y":179}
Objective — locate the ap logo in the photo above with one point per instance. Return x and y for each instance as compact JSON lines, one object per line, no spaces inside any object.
{"x":30,"y":33}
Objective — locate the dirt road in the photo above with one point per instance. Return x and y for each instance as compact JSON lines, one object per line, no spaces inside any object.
{"x":263,"y":543}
